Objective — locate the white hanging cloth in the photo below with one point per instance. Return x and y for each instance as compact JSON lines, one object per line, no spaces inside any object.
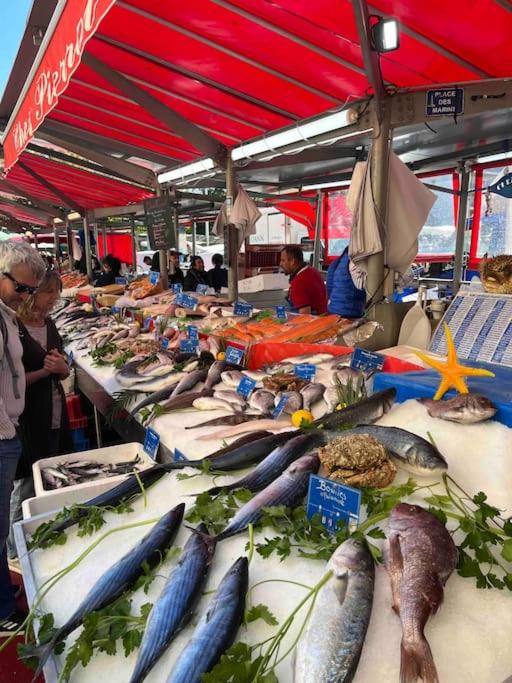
{"x":244,"y":216}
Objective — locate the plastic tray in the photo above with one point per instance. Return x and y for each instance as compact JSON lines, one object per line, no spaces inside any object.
{"x":424,"y":384}
{"x":112,"y":454}
{"x":53,"y":501}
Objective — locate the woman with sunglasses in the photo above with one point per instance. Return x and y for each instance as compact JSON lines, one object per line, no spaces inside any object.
{"x":44,"y":428}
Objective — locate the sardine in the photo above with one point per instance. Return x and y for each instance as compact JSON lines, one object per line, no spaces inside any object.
{"x":212,"y":403}
{"x":330,"y":647}
{"x":274,"y":464}
{"x":189,"y":382}
{"x":232,"y":377}
{"x":288,"y":489}
{"x":293,"y":401}
{"x":263,"y":401}
{"x":311,"y":393}
{"x":176,"y":602}
{"x":217,"y":629}
{"x":419,"y":555}
{"x":464,"y":408}
{"x":414,"y":452}
{"x":363,"y":412}
{"x":118,"y":579}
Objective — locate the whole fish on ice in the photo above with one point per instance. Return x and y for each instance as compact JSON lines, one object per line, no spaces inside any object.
{"x":464,"y":408}
{"x":365,"y":411}
{"x":311,"y":393}
{"x":262,"y":401}
{"x":212,"y":403}
{"x":419,"y":555}
{"x":330,"y":647}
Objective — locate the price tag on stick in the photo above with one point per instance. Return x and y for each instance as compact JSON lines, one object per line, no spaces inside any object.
{"x":151,"y":443}
{"x":234,"y":355}
{"x":280,"y":407}
{"x":188,"y":345}
{"x":367,"y":361}
{"x":202,"y":289}
{"x":246,"y":387}
{"x":177,"y":287}
{"x":281,"y":312}
{"x":242,"y":309}
{"x":334,"y":502}
{"x":154,"y":277}
{"x":305,"y":371}
{"x":187,"y":301}
{"x":193,"y":332}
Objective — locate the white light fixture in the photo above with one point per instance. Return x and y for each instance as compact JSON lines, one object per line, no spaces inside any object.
{"x":385,"y":35}
{"x":187,"y":170}
{"x":503,"y":156}
{"x":300,"y":133}
{"x":321,"y":186}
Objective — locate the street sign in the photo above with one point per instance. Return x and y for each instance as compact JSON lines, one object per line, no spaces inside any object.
{"x":444,"y":102}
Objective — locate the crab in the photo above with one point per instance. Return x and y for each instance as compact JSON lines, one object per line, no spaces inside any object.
{"x":358,"y":460}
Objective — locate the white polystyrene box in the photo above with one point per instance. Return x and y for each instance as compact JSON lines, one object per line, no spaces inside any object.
{"x":266,"y":281}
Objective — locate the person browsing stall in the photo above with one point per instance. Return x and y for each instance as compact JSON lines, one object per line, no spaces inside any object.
{"x":196,"y":275}
{"x":307,"y":290}
{"x":218,"y":276}
{"x":176,"y":276}
{"x":111,"y":266}
{"x":21,"y":270}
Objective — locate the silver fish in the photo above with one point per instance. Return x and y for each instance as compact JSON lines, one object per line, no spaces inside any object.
{"x":189,"y":382}
{"x":330,"y":647}
{"x":464,"y":408}
{"x":214,"y":373}
{"x":263,"y":401}
{"x":256,"y":375}
{"x":337,"y":362}
{"x":346,"y":375}
{"x":313,"y":358}
{"x":311,"y":393}
{"x":280,"y":368}
{"x":211,"y":403}
{"x":231,"y":397}
{"x":288,"y":489}
{"x":217,"y":629}
{"x":293,"y":402}
{"x":331,"y":398}
{"x":231,"y":377}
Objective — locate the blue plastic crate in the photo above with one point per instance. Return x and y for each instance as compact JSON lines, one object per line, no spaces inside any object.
{"x":423,"y":384}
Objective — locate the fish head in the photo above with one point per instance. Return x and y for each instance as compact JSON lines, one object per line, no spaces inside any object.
{"x":238,"y":574}
{"x":405,"y":515}
{"x":307,"y":463}
{"x":423,"y":458}
{"x":471,"y":408}
{"x":352,"y":555}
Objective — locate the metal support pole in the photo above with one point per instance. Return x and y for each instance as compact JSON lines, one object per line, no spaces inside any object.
{"x":317,"y":249}
{"x":97,"y":426}
{"x":207,"y":232}
{"x":177,"y":225}
{"x":164,"y":277}
{"x":134,"y":244}
{"x":461,"y":228}
{"x":193,"y":237}
{"x":87,"y":244}
{"x":379,"y":161}
{"x":56,"y":244}
{"x":104,"y":238}
{"x":232,"y":232}
{"x":69,"y":235}
{"x":96,"y":229}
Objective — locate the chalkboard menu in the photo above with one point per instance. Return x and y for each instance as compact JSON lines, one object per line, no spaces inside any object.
{"x":160,"y":223}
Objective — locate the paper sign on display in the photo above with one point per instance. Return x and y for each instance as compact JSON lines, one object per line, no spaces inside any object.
{"x":154,"y":277}
{"x":116,"y":310}
{"x":188,"y":345}
{"x":243,"y":309}
{"x":186,"y":301}
{"x":281,"y":312}
{"x":71,"y":358}
{"x":165,"y":343}
{"x":147,"y":323}
{"x":333,"y":501}
{"x":367,"y":360}
{"x":151,"y":442}
{"x":121,"y":281}
{"x":177,"y":287}
{"x":246,"y":387}
{"x":234,"y":355}
{"x":179,"y":456}
{"x":193,"y":332}
{"x":280,"y":407}
{"x":305,"y":371}
{"x":202,"y":289}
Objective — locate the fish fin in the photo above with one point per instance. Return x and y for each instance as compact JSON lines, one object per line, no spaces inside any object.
{"x":396,"y":561}
{"x":436,"y":599}
{"x":417,"y":662}
{"x":202,"y":531}
{"x":42,"y":652}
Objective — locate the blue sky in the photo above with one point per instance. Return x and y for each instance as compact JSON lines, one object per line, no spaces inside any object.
{"x":13,"y":18}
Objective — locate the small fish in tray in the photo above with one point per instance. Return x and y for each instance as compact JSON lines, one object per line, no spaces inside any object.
{"x":80,"y":471}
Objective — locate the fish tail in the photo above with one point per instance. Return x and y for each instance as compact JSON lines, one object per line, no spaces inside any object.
{"x":201,"y":531}
{"x":417,"y":662}
{"x":42,"y":652}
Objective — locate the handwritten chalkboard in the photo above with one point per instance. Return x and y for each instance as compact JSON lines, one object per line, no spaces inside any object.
{"x":160,"y":223}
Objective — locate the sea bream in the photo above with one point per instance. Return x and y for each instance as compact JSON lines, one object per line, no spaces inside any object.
{"x":176,"y":602}
{"x":217,"y":629}
{"x":419,"y":555}
{"x":330,"y":646}
{"x":118,"y":579}
{"x":464,"y":408}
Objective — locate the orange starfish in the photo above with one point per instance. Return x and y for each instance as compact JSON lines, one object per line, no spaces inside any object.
{"x":452,"y":372}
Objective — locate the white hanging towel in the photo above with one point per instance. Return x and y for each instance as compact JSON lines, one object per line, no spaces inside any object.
{"x":76,"y":249}
{"x":244,"y":216}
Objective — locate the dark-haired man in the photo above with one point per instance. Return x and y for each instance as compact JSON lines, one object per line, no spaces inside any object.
{"x":307,"y":292}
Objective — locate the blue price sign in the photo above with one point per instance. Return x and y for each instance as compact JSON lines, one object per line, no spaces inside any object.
{"x":121,"y":281}
{"x":177,"y":287}
{"x":179,"y":456}
{"x":147,"y":323}
{"x":366,"y":360}
{"x":154,"y":277}
{"x":165,"y":343}
{"x":333,"y":502}
{"x":116,"y":310}
{"x":188,"y":345}
{"x":186,"y":301}
{"x":193,"y":332}
{"x":151,"y":442}
{"x":234,"y":355}
{"x":445,"y":102}
{"x":71,"y":357}
{"x":305,"y":371}
{"x":281,"y":312}
{"x":243,"y":309}
{"x":202,"y":289}
{"x":246,"y":387}
{"x":280,"y":407}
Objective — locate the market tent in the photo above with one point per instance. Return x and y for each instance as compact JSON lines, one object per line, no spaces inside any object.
{"x":22,"y":214}
{"x":234,"y":69}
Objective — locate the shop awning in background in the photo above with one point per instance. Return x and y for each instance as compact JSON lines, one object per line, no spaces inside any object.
{"x":301,"y":211}
{"x":238,"y":68}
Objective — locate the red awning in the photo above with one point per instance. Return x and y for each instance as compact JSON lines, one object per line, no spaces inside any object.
{"x":301,"y":211}
{"x":86,"y":189}
{"x":22,"y":214}
{"x":240,"y":68}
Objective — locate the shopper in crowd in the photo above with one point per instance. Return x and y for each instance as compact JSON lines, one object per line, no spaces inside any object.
{"x":344,"y":297}
{"x":44,"y":429}
{"x":218,"y":276}
{"x":307,"y":290}
{"x":21,"y":270}
{"x":196,"y":275}
{"x":111,"y":267}
{"x":147,"y":260}
{"x":176,"y":276}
